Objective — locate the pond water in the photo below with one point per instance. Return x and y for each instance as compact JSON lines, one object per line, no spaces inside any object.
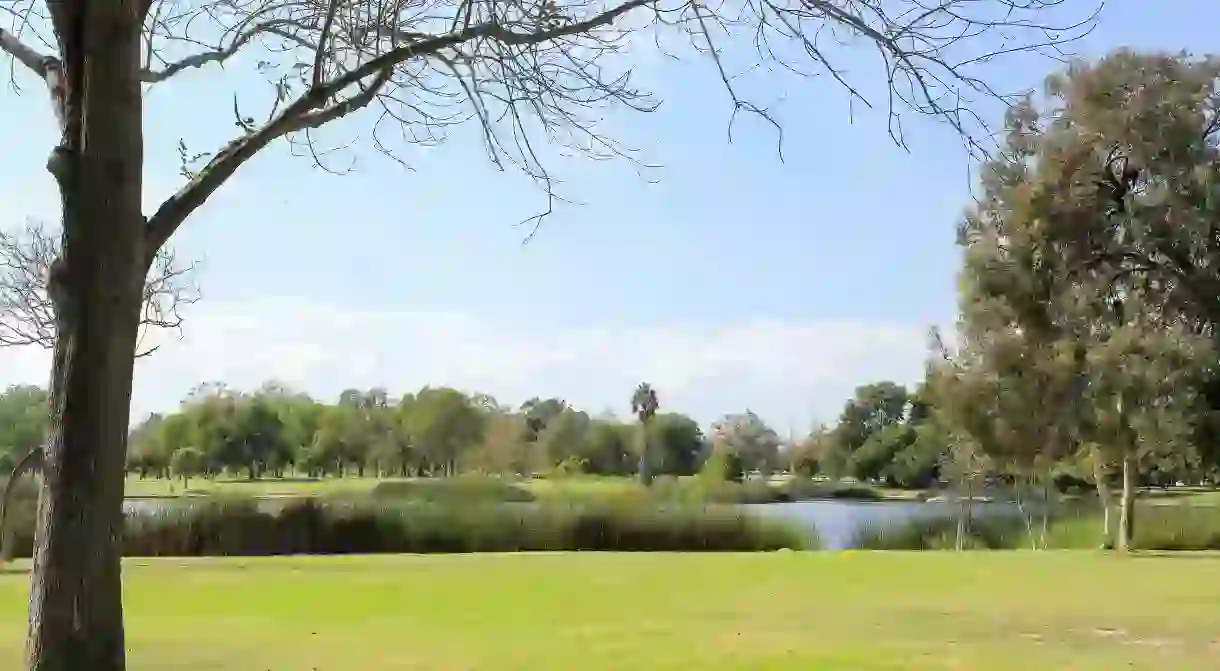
{"x":836,"y":522}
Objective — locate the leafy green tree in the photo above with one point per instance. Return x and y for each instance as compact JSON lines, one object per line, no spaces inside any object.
{"x":748,"y":438}
{"x":505,"y":447}
{"x":677,"y":444}
{"x":392,"y":451}
{"x":185,"y":463}
{"x":23,"y":422}
{"x":724,"y":463}
{"x":444,"y":424}
{"x":146,"y":453}
{"x":877,"y":454}
{"x":341,"y":440}
{"x":873,"y":408}
{"x":806,"y":456}
{"x":1140,"y":385}
{"x":258,"y":438}
{"x":538,"y":413}
{"x":564,"y":439}
{"x":1089,"y":245}
{"x":918,"y":465}
{"x":608,"y":448}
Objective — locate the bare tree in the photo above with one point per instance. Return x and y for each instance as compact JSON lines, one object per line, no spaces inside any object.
{"x":27,"y":317}
{"x":522,"y":70}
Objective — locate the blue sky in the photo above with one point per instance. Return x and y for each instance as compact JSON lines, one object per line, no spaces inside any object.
{"x":733,"y":281}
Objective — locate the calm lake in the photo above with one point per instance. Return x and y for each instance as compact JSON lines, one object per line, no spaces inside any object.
{"x":835,"y":522}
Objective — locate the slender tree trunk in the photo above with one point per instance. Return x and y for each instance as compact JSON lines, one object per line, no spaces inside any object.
{"x":1126,"y":517}
{"x":1104,"y":496}
{"x":75,"y":602}
{"x":1046,"y":510}
{"x":645,"y":465}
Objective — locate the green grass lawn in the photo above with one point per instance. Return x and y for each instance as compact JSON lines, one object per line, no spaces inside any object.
{"x":579,"y":487}
{"x":852,"y":611}
{"x":160,"y":487}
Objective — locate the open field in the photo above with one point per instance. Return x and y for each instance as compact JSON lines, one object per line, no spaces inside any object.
{"x":852,"y":611}
{"x":273,"y":487}
{"x":161,"y":487}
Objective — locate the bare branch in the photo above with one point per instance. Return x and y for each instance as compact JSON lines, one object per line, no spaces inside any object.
{"x":314,"y":107}
{"x":220,"y":54}
{"x":298,"y":116}
{"x":27,"y":315}
{"x":24,"y":54}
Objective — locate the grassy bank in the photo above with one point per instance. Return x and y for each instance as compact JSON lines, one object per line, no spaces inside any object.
{"x":1159,"y":526}
{"x":878,"y":611}
{"x":486,"y":488}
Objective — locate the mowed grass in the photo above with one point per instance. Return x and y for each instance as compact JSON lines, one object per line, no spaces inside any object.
{"x":577,"y":488}
{"x":851,"y":610}
{"x":136,"y":487}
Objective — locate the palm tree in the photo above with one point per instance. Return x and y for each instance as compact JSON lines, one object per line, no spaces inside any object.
{"x":644,"y":404}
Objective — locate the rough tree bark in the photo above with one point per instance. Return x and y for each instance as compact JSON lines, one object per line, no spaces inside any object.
{"x":75,"y":616}
{"x":1126,"y":516}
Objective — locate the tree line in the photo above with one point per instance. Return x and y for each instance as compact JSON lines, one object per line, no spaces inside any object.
{"x":433,"y":432}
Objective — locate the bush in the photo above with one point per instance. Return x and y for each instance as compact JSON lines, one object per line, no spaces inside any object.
{"x":1165,"y":527}
{"x":231,"y":527}
{"x":939,"y":532}
{"x":1177,"y":527}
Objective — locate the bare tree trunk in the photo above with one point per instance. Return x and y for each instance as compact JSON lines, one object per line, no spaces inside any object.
{"x":645,"y":465}
{"x":75,"y":617}
{"x":1046,"y":510}
{"x":1126,"y":519}
{"x":1104,"y":496}
{"x":1027,"y":516}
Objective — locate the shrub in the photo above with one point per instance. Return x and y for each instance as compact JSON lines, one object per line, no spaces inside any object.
{"x":939,"y":532}
{"x":1177,"y":527}
{"x":229,"y":527}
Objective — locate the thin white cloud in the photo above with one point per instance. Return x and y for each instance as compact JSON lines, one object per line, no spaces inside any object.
{"x":789,"y":373}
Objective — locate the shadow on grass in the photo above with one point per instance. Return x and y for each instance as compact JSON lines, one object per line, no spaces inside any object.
{"x":1171,"y":554}
{"x":247,"y":481}
{"x":1159,"y":494}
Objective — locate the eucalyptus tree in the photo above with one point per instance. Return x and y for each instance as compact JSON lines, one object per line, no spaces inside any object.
{"x":1088,"y":257}
{"x":750,"y":439}
{"x":520,"y":70}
